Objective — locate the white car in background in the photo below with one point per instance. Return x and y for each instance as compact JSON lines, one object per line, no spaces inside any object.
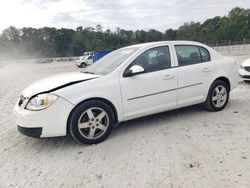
{"x":244,"y":70}
{"x":128,"y":83}
{"x":85,"y":60}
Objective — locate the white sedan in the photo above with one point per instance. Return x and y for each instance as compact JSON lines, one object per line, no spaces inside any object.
{"x":128,"y":83}
{"x":244,"y":70}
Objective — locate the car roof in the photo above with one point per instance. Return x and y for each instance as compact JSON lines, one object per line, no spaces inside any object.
{"x":148,"y":44}
{"x":143,"y":46}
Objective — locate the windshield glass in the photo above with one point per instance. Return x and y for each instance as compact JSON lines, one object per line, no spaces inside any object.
{"x":110,"y":62}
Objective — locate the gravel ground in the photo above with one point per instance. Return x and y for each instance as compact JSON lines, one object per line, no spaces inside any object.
{"x":188,"y":147}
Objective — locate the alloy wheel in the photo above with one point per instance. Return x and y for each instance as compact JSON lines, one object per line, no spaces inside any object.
{"x":93,"y":123}
{"x":219,"y":96}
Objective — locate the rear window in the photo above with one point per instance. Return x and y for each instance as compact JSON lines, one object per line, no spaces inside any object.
{"x":189,"y":54}
{"x":205,"y":56}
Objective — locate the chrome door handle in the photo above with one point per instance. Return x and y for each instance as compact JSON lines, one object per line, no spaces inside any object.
{"x":168,"y":77}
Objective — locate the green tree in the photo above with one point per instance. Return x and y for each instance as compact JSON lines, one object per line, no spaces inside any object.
{"x":51,"y":42}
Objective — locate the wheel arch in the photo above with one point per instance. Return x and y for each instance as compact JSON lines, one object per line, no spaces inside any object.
{"x":98,"y":99}
{"x":224,"y":79}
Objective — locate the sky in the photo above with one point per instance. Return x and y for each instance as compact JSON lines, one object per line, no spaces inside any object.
{"x":125,"y":14}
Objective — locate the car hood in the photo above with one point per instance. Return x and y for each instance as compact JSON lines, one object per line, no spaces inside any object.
{"x":56,"y":82}
{"x":246,"y":63}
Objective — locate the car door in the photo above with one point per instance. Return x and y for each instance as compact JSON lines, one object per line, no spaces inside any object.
{"x":194,"y":71}
{"x":155,"y":89}
{"x":89,"y":60}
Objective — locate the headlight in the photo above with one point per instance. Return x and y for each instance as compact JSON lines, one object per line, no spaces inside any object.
{"x":40,"y":102}
{"x":241,"y":67}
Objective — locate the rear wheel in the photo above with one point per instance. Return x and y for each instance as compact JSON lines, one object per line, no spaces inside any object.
{"x":91,"y":122}
{"x":218,"y":96}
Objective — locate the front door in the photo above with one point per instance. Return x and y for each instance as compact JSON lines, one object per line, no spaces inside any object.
{"x":152,"y":91}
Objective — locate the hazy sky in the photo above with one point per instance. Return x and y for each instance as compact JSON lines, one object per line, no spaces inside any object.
{"x":126,"y":14}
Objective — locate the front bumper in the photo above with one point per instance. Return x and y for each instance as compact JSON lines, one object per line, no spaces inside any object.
{"x":50,"y":122}
{"x":32,"y":132}
{"x":245,"y":75}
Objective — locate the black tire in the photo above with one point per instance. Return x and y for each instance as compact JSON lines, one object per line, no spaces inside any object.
{"x":209,"y":104}
{"x":79,"y":114}
{"x":83,"y":65}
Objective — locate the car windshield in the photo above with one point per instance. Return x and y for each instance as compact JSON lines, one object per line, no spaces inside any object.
{"x":110,"y":62}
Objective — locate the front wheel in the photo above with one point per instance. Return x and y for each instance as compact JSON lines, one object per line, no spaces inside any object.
{"x":91,"y":122}
{"x":83,"y":65}
{"x":218,"y":96}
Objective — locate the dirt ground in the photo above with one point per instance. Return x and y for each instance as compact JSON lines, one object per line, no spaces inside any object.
{"x":188,"y":147}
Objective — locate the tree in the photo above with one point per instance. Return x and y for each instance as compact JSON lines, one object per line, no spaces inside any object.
{"x":11,"y":34}
{"x":51,"y":42}
{"x":189,"y":31}
{"x":170,"y":34}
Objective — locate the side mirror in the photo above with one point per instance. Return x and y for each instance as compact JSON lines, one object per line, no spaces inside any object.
{"x":134,"y":70}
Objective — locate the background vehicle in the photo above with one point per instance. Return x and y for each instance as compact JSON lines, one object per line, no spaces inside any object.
{"x":90,"y":57}
{"x":87,"y":53}
{"x":244,"y":70}
{"x":84,"y":61}
{"x":128,"y":83}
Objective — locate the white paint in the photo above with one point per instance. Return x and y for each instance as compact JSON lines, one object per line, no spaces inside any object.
{"x":152,"y":92}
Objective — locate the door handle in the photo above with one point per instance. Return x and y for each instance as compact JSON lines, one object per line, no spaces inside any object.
{"x":168,"y":77}
{"x":205,"y":70}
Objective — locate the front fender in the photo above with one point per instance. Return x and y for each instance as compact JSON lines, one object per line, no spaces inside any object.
{"x":104,"y":87}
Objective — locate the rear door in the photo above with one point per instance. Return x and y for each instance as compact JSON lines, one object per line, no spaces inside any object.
{"x":194,"y":71}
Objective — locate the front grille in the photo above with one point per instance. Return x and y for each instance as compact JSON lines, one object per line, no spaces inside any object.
{"x":247,"y":69}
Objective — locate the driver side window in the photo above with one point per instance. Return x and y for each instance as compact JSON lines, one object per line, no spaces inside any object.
{"x":155,"y":59}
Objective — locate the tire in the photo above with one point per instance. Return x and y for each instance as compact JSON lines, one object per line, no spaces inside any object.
{"x":83,"y":65}
{"x":91,"y":122}
{"x":217,"y":97}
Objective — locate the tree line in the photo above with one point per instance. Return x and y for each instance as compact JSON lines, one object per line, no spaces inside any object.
{"x":30,"y":42}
